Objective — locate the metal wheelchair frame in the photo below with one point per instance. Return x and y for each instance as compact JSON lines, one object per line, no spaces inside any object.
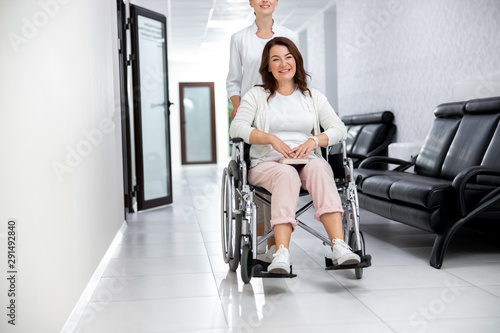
{"x":239,"y":216}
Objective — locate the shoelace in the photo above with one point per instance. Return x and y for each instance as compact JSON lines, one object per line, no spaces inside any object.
{"x":342,"y":244}
{"x":279,"y":252}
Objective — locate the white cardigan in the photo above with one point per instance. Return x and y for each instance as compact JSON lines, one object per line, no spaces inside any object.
{"x":253,"y":113}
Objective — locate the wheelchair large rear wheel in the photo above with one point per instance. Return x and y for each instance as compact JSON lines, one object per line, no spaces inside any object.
{"x":230,"y":221}
{"x":226,"y":216}
{"x":236,"y":238}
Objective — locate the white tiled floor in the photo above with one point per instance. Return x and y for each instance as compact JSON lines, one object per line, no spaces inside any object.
{"x":168,"y":275}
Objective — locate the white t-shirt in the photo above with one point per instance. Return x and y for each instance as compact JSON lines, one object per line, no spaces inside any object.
{"x":246,"y":55}
{"x":290,"y":120}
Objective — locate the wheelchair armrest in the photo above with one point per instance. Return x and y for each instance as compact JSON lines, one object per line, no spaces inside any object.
{"x":464,"y":177}
{"x":403,"y":165}
{"x":240,"y":151}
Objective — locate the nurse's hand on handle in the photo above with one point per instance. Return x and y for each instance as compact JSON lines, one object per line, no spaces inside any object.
{"x":235,"y":100}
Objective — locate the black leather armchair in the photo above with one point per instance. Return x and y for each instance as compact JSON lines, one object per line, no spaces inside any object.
{"x":456,"y":178}
{"x":368,"y":135}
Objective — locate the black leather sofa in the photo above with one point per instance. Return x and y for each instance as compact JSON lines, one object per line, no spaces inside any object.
{"x":368,"y":135}
{"x":456,"y":177}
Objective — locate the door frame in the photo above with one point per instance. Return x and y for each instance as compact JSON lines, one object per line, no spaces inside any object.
{"x":142,"y":203}
{"x":183,"y":121}
{"x":123,"y":64}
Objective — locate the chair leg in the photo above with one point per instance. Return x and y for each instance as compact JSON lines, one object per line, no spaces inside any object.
{"x":443,"y":240}
{"x":438,"y":250}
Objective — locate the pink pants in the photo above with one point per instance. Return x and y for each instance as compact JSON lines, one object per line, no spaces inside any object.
{"x":285,"y":181}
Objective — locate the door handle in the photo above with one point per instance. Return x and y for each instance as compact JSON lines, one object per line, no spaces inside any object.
{"x":155,"y":105}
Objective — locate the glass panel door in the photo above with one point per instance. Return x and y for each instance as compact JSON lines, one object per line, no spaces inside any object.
{"x":197,"y":123}
{"x":151,"y":113}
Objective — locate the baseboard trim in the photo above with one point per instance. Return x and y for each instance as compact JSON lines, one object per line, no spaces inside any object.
{"x":79,"y":309}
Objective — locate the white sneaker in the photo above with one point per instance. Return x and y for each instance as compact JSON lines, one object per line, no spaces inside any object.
{"x":261,"y":249}
{"x":342,"y":253}
{"x":270,"y":252}
{"x":281,"y":261}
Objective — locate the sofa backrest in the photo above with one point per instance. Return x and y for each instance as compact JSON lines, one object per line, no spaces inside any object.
{"x":366,"y":132}
{"x":492,"y":159}
{"x":473,"y":136}
{"x":352,"y":135}
{"x":437,"y":143}
{"x":492,"y":155}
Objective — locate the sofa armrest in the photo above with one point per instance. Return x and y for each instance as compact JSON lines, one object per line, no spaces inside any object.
{"x":383,"y":146}
{"x":464,"y":177}
{"x":358,"y":156}
{"x":403,"y":165}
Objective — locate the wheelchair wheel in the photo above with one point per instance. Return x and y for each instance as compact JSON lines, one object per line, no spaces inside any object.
{"x":236,"y":238}
{"x":230,"y":228}
{"x":226,"y":213}
{"x":246,"y":263}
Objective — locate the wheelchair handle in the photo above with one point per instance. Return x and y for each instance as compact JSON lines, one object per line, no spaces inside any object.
{"x":236,"y":140}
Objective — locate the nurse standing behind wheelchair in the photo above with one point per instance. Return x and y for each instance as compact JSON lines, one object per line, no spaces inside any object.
{"x":282,"y":119}
{"x":245,"y":56}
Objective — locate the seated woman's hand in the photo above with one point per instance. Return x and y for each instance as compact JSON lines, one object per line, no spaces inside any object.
{"x":303,"y":150}
{"x":281,"y":147}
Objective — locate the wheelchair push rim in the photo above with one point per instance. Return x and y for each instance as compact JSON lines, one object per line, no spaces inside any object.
{"x":229,"y":221}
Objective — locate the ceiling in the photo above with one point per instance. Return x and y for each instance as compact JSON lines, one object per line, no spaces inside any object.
{"x":198,"y":27}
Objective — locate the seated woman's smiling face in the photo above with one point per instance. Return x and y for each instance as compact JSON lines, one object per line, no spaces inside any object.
{"x":281,"y":63}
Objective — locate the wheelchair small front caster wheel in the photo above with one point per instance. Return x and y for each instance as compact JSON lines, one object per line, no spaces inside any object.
{"x":246,"y":263}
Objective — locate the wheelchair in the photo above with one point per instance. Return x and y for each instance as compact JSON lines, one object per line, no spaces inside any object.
{"x":239,"y":215}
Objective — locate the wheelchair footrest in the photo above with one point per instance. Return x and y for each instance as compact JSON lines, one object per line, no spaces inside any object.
{"x":366,"y":261}
{"x":259,"y":269}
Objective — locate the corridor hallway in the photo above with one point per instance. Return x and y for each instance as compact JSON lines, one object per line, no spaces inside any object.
{"x":167,"y":275}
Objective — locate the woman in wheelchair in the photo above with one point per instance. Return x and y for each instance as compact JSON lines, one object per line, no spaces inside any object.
{"x":282,"y":119}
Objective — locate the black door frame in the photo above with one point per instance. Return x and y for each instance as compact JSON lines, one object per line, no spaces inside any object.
{"x":128,"y":186}
{"x":142,"y":203}
{"x":134,"y":199}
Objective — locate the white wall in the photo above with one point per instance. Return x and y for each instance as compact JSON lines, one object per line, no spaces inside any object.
{"x":409,"y":56}
{"x":59,"y":103}
{"x":316,"y":52}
